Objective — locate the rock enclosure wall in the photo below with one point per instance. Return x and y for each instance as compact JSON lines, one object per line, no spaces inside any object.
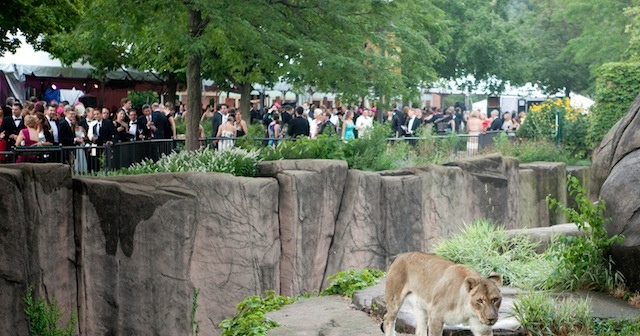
{"x":125,"y":253}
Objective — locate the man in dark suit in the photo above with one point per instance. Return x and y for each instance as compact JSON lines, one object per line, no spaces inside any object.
{"x":144,"y":123}
{"x":12,"y":124}
{"x":298,"y":126}
{"x":103,"y":130}
{"x":162,"y":129}
{"x":326,"y":127}
{"x":286,"y":115}
{"x":218,"y":118}
{"x":396,"y":124}
{"x":66,"y":134}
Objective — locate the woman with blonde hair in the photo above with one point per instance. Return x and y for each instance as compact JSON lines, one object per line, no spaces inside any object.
{"x":474,"y":128}
{"x":28,"y":137}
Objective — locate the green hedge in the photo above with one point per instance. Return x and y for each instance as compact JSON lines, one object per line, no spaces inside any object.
{"x":616,"y":87}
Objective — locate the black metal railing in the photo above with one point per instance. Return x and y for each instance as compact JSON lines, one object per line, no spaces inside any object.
{"x":91,"y":159}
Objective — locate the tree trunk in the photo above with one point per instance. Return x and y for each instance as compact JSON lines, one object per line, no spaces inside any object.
{"x":194,"y":86}
{"x":245,"y":100}
{"x":172,"y":87}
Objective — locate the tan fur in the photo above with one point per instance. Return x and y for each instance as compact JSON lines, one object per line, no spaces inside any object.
{"x":445,"y":293}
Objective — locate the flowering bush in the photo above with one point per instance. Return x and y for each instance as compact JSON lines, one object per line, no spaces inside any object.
{"x":540,"y":124}
{"x":235,"y":161}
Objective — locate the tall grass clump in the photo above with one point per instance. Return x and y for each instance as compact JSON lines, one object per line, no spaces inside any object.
{"x":235,"y":161}
{"x":487,"y":248}
{"x":540,"y":314}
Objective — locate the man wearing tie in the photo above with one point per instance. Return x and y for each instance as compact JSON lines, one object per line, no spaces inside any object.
{"x":103,"y":130}
{"x":52,"y":117}
{"x":11,"y":125}
{"x":145,"y":123}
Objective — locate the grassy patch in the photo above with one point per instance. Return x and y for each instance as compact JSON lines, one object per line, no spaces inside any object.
{"x":347,"y":282}
{"x":540,"y":314}
{"x":487,"y":248}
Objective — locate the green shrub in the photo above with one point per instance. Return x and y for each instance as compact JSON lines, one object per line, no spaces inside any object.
{"x":581,"y":260}
{"x":324,"y":147}
{"x":540,"y":315}
{"x":346,"y":283}
{"x":235,"y":161}
{"x":372,"y":152}
{"x":254,"y":131}
{"x":44,"y":317}
{"x":540,"y":150}
{"x":487,"y":248}
{"x":610,"y":327}
{"x":616,"y":87}
{"x":250,"y":318}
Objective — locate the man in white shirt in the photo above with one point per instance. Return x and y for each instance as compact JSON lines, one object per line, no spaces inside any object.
{"x":364,"y":123}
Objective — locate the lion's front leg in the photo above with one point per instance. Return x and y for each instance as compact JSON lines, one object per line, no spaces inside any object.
{"x":435,"y":326}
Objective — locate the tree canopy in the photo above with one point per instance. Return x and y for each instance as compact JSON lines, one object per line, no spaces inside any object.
{"x":33,"y":18}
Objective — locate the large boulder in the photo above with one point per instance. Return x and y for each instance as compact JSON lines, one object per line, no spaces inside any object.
{"x":621,"y":140}
{"x":310,"y":195}
{"x":614,"y":178}
{"x":148,"y":241}
{"x":36,"y":241}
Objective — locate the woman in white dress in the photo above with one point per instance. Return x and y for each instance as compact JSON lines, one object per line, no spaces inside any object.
{"x":227,"y":130}
{"x":80,"y":163}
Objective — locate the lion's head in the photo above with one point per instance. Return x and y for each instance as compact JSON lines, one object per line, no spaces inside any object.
{"x":485,"y":297}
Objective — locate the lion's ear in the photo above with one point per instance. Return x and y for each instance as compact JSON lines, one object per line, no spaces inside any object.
{"x":496,"y":278}
{"x":470,"y":283}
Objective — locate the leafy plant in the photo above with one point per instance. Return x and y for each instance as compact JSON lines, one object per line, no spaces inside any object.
{"x":540,"y":150}
{"x":610,"y":327}
{"x":195,"y":325}
{"x":347,"y":282}
{"x":487,"y":248}
{"x":250,"y":318}
{"x":45,"y":317}
{"x":582,"y":261}
{"x":540,"y":315}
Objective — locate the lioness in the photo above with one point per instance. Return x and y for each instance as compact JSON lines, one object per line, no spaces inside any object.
{"x":445,"y":292}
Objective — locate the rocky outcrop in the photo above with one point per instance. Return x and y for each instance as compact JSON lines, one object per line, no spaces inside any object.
{"x":37,"y":245}
{"x":614,"y":179}
{"x":126,"y":253}
{"x":539,"y":180}
{"x":311,"y":192}
{"x":147,"y":241}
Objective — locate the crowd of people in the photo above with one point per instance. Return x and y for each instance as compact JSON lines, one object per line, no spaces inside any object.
{"x":37,"y":123}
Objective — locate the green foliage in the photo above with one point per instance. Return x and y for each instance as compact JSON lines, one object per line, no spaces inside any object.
{"x":324,"y":147}
{"x":615,"y":90}
{"x":195,"y":325}
{"x":347,"y":282}
{"x":139,"y":98}
{"x":542,"y":150}
{"x":254,"y":131}
{"x":581,"y":260}
{"x":487,"y":248}
{"x":540,"y":315}
{"x":616,"y":327}
{"x":235,"y":161}
{"x":181,"y":126}
{"x":570,"y":133}
{"x":250,"y":318}
{"x":372,"y":152}
{"x":44,"y":317}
